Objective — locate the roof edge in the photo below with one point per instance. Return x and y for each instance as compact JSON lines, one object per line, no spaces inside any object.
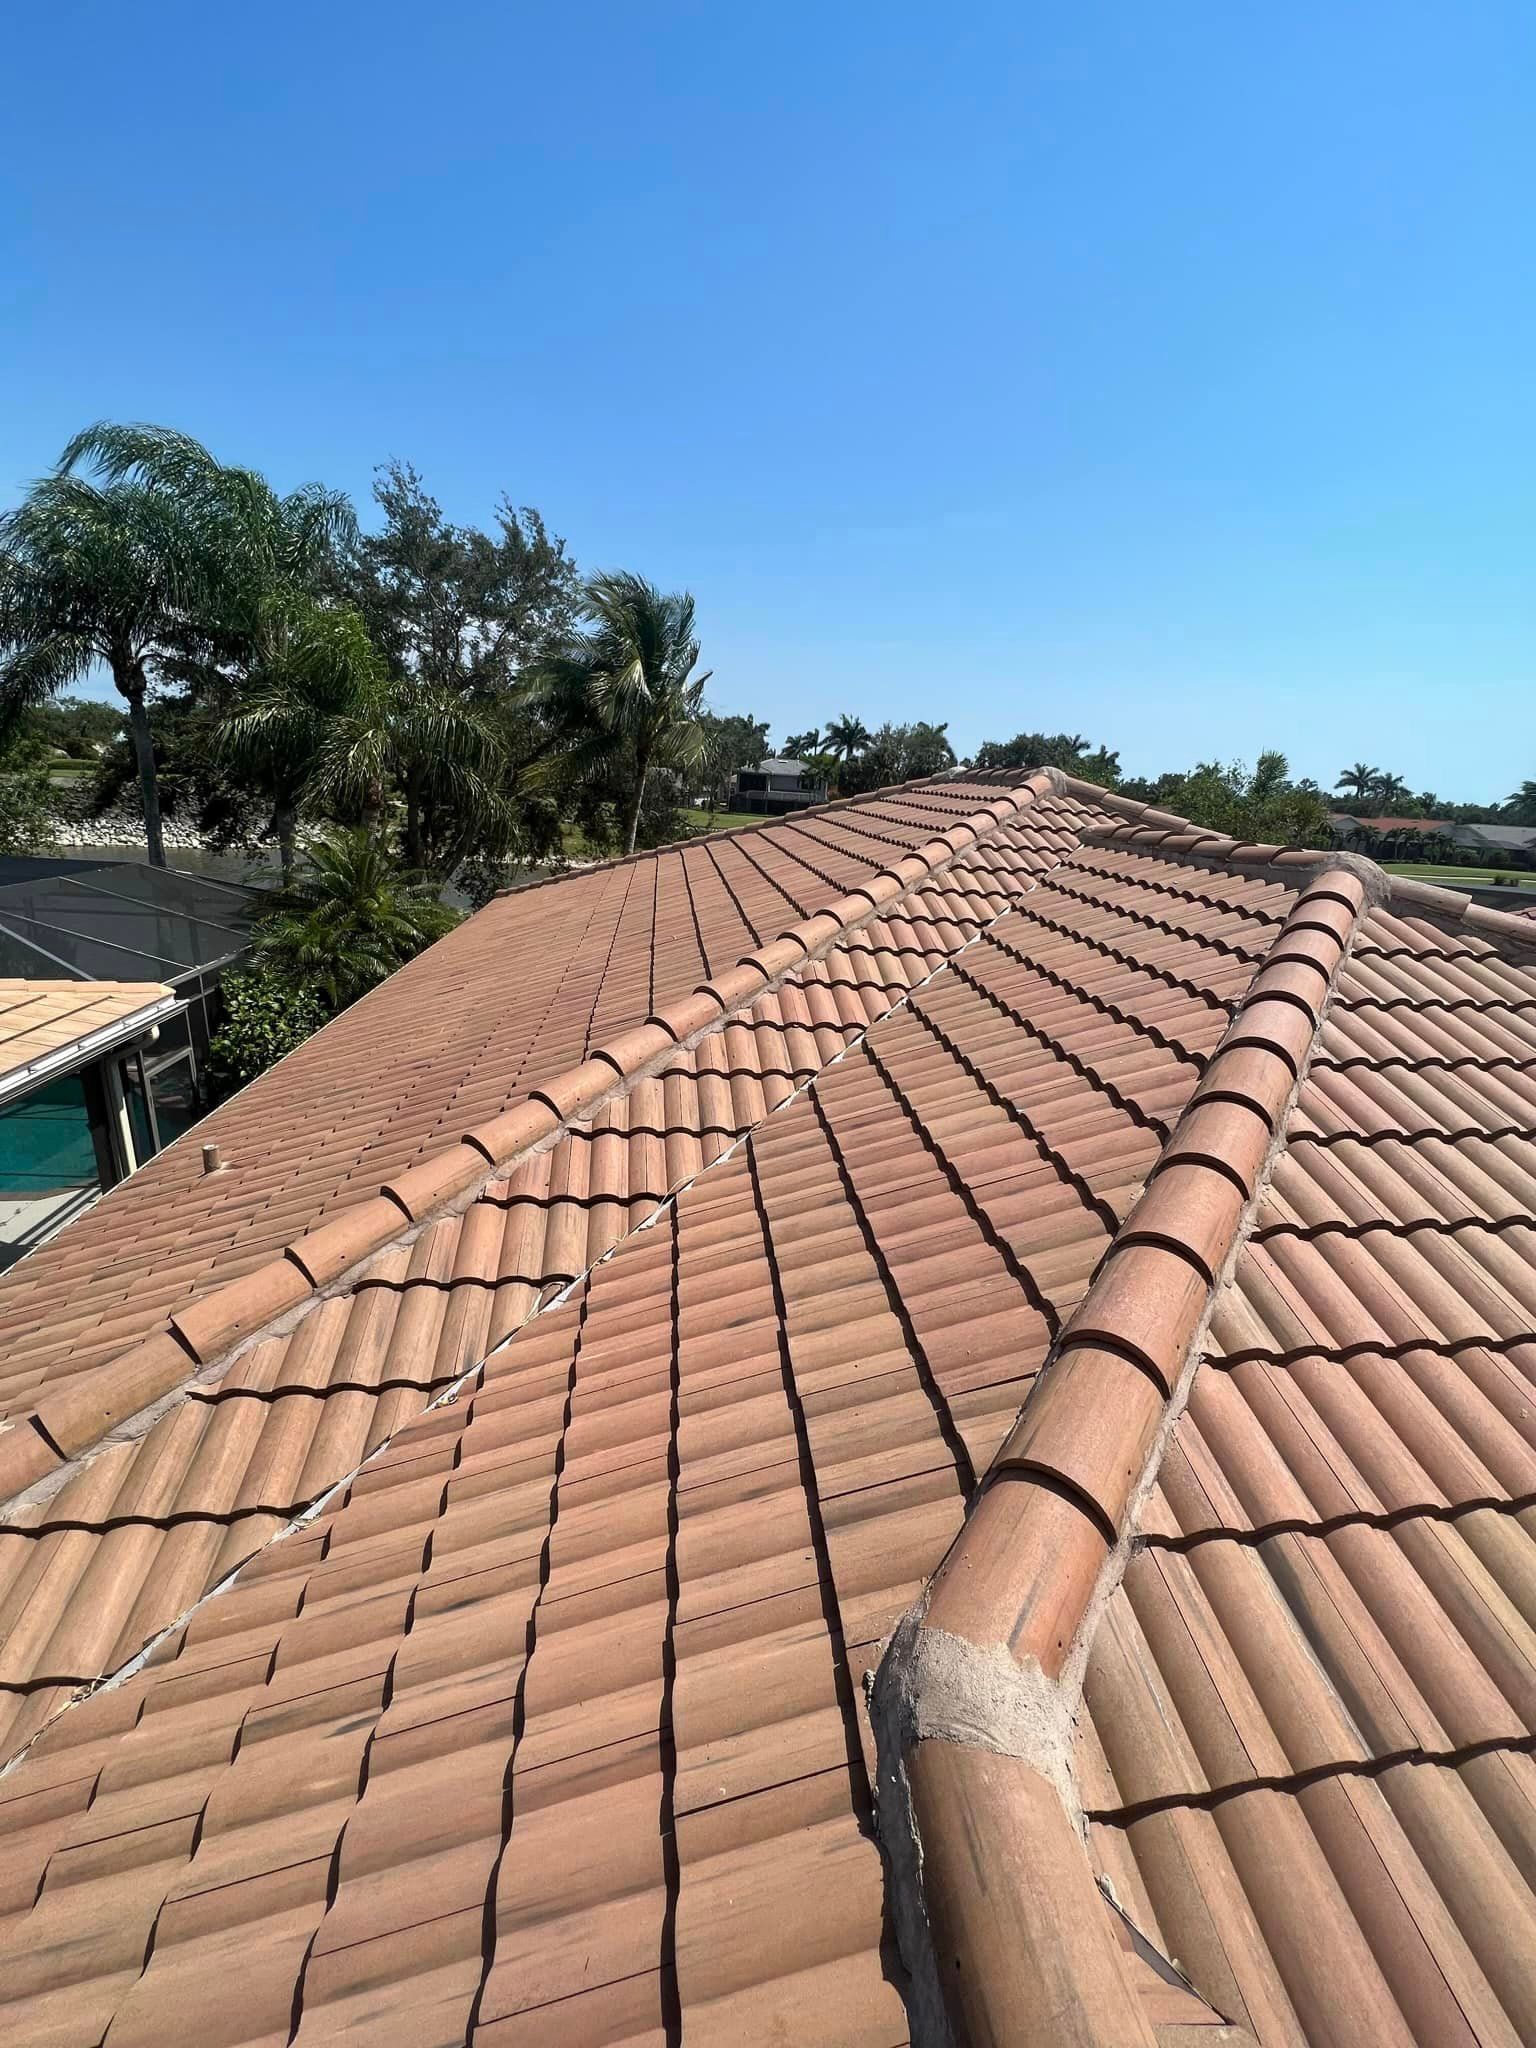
{"x":1149,"y":830}
{"x":976,"y":1695}
{"x":1055,"y":776}
{"x":203,"y":1336}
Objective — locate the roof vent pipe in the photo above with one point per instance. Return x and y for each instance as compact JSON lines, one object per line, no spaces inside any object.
{"x":212,"y":1161}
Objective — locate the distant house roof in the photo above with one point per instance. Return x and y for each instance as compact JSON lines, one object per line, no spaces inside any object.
{"x":1511,"y":838}
{"x":48,"y":1026}
{"x":1344,"y":819}
{"x":991,"y":1232}
{"x":780,"y":765}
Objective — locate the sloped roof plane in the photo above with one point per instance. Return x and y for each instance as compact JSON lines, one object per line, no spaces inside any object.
{"x":1070,"y":1263}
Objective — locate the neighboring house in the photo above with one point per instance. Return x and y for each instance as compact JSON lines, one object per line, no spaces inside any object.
{"x":1519,"y":840}
{"x":776,"y":786}
{"x":78,"y":1105}
{"x":1079,"y":1269}
{"x":100,"y":922}
{"x":1346,"y":825}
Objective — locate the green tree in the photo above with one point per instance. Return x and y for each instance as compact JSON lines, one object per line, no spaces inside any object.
{"x":899,"y":753}
{"x":1359,"y":781}
{"x":81,"y":727}
{"x":329,"y":731}
{"x":348,"y":921}
{"x":846,"y":737}
{"x":470,"y":615}
{"x":625,"y":688}
{"x":800,"y":744}
{"x":1262,"y":805}
{"x":28,"y":803}
{"x":731,"y":743}
{"x":147,"y":555}
{"x":264,"y":1018}
{"x":97,"y":571}
{"x":1070,"y":752}
{"x":194,"y":779}
{"x":1522,"y":804}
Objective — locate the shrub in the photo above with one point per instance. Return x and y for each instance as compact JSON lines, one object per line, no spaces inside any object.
{"x":265,"y":1017}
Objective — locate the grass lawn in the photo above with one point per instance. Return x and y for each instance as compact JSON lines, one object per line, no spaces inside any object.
{"x":577,"y":847}
{"x":1482,"y":877}
{"x":722,"y":821}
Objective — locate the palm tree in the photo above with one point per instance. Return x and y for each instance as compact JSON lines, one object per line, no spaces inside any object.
{"x":328,"y":729}
{"x":349,"y":921}
{"x":845,"y":737}
{"x":1359,"y":781}
{"x":799,"y":744}
{"x":259,"y":541}
{"x":1522,"y":804}
{"x":1391,"y":789}
{"x":627,"y":685}
{"x":96,"y":574}
{"x":158,"y":548}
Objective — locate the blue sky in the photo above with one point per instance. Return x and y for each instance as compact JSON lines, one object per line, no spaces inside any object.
{"x":1164,"y":373}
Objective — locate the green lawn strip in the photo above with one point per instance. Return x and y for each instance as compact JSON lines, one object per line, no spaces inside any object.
{"x":1481,"y":878}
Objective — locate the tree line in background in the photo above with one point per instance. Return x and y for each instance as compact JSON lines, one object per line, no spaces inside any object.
{"x":422,"y":702}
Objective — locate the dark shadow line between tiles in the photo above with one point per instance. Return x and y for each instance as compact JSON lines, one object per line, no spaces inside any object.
{"x":1417,"y":958}
{"x":663,"y":854}
{"x":1100,"y":1005}
{"x":1074,"y":1062}
{"x":693,"y":912}
{"x":869,"y":863}
{"x":954,"y":1442}
{"x":1302,"y":1781}
{"x":1437,"y":1006}
{"x":520,"y":1691}
{"x":613,"y":941}
{"x":1094,"y":1204}
{"x":831,"y":1607}
{"x":1083,"y":864}
{"x":777,"y":886}
{"x":1162,"y":976}
{"x":748,"y":924}
{"x":1424,"y":1134}
{"x":966,"y":1195}
{"x":1329,"y":1525}
{"x":1449,"y":1348}
{"x":672,"y":1874}
{"x":1144,"y":918}
{"x":1431,"y":1063}
{"x":1375,"y":1226}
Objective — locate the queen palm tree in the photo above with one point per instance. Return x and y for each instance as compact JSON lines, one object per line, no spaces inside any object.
{"x":1359,"y":781}
{"x":626,"y":685}
{"x":349,"y":920}
{"x":845,"y":737}
{"x":328,"y":729}
{"x":139,"y":546}
{"x":1390,"y":790}
{"x":96,"y":575}
{"x":1522,"y":804}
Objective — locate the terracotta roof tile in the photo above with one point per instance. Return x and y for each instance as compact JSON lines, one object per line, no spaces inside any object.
{"x":549,"y":1725}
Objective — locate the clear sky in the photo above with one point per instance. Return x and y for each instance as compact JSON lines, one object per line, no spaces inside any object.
{"x":1164,"y":372}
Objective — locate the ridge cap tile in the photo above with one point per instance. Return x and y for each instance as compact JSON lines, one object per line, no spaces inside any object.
{"x":1022,"y":1575}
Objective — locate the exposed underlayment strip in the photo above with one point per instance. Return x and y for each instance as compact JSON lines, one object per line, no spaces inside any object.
{"x":975,"y":1699}
{"x":455,"y":1389}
